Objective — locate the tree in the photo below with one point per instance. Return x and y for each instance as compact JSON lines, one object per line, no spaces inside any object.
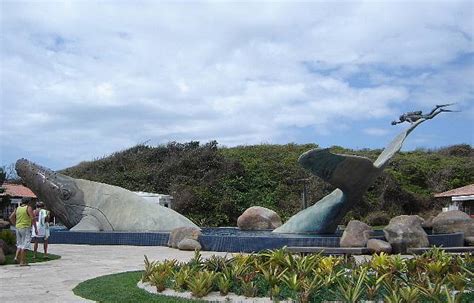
{"x":10,"y":173}
{"x":3,"y":175}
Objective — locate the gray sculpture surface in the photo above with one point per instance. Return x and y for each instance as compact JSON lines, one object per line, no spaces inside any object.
{"x":84,"y":205}
{"x":352,"y":175}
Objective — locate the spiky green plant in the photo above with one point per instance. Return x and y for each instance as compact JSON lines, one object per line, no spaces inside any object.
{"x":304,"y":266}
{"x":181,"y":276}
{"x":351,"y":288}
{"x":148,"y":270}
{"x":224,"y":283}
{"x":196,"y":261}
{"x":272,"y":276}
{"x":459,"y":281}
{"x":159,"y":279}
{"x":216,"y":263}
{"x":249,"y":289}
{"x":431,"y":289}
{"x":452,"y":296}
{"x":373,"y":282}
{"x":393,"y":297}
{"x":409,"y":294}
{"x":201,"y":283}
{"x":327,"y":264}
{"x":381,"y":263}
{"x":277,"y":257}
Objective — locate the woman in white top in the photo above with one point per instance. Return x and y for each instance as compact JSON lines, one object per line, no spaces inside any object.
{"x":42,"y":218}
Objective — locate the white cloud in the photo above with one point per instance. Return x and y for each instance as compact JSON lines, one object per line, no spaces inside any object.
{"x":114,"y":74}
{"x":376,"y":131}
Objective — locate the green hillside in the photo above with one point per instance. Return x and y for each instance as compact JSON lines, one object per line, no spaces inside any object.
{"x":214,"y":185}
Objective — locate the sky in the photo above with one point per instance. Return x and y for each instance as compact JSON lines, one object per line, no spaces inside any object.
{"x":83,"y":79}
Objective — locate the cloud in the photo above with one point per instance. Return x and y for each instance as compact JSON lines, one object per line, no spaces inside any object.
{"x":376,"y":131}
{"x":88,"y":78}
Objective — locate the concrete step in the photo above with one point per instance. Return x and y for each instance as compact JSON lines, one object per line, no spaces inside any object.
{"x":462,"y":249}
{"x":329,"y":250}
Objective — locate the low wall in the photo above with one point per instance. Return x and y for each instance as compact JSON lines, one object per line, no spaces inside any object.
{"x":226,"y":239}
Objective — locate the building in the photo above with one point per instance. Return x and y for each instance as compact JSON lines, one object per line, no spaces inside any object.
{"x":163,"y":200}
{"x":16,"y":192}
{"x":462,"y":198}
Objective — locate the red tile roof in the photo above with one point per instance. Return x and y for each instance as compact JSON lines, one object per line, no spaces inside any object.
{"x":461,"y":191}
{"x":17,"y":190}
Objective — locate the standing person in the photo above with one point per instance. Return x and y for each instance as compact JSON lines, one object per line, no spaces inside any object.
{"x":23,"y":218}
{"x":41,"y":218}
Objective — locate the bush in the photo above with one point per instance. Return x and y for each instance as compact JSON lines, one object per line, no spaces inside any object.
{"x":377,"y":218}
{"x":213,"y":186}
{"x":8,"y":236}
{"x":315,"y":278}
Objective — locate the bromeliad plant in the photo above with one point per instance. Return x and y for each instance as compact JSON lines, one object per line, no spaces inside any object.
{"x":201,"y":283}
{"x":432,"y":277}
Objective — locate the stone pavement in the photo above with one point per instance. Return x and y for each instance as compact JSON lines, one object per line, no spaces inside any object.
{"x":53,"y":281}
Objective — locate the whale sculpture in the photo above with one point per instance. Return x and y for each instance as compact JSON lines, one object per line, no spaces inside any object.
{"x":84,"y":205}
{"x":352,"y":175}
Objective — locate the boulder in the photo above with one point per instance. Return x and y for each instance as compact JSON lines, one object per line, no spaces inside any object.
{"x":258,"y":218}
{"x":356,"y":234}
{"x":180,"y":233}
{"x":4,"y":224}
{"x":2,"y":257}
{"x":378,"y":246}
{"x":189,"y":244}
{"x":428,"y":223}
{"x":404,"y":232}
{"x":469,"y":241}
{"x":453,"y":221}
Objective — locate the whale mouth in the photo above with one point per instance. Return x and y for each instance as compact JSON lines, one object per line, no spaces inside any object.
{"x":54,"y":189}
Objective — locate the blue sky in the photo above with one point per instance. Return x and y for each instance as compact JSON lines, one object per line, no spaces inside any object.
{"x":83,"y":79}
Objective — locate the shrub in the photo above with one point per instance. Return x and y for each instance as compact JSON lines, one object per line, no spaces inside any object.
{"x":377,"y":218}
{"x":281,"y":275}
{"x":8,"y":236}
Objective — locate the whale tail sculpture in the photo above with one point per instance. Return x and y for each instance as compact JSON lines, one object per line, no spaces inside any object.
{"x":352,"y":175}
{"x":92,"y":206}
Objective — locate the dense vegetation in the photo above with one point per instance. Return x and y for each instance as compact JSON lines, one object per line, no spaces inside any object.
{"x":435,"y":276}
{"x":213,"y":186}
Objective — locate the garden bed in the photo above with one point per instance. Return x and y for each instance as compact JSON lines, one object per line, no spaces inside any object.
{"x":434,"y":276}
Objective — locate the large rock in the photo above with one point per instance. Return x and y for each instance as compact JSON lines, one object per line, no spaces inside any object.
{"x":356,"y":234}
{"x":469,"y":241}
{"x":377,"y":246}
{"x":4,"y":224}
{"x":453,"y":221}
{"x":189,"y":244}
{"x":404,"y":232}
{"x":2,"y":257}
{"x":257,"y":218}
{"x":180,"y":233}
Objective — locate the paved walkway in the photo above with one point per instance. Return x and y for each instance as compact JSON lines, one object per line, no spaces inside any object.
{"x":53,"y":281}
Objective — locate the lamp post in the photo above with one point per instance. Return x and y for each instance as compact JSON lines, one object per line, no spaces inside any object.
{"x":304,"y":194}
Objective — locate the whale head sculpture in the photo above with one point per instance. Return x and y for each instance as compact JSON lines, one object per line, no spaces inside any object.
{"x":59,"y":192}
{"x":84,"y":205}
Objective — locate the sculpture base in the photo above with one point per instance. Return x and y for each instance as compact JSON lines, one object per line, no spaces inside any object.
{"x":227,"y":239}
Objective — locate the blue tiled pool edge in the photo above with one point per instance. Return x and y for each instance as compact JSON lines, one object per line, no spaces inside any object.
{"x":109,"y":238}
{"x":223,"y":243}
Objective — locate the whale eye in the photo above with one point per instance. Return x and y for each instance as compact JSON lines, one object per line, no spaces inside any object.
{"x":65,"y":194}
